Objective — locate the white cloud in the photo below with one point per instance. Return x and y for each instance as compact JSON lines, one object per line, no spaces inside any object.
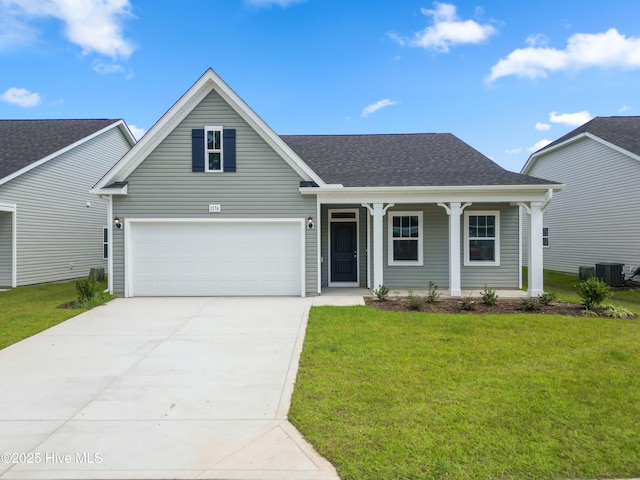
{"x":374,"y":107}
{"x":538,"y":145}
{"x":137,"y":132}
{"x":21,"y":97}
{"x":624,"y":108}
{"x":94,"y":25}
{"x":447,"y":30}
{"x":584,"y":50}
{"x":537,"y":39}
{"x":270,"y":3}
{"x":543,"y":127}
{"x":571,"y":119}
{"x":513,"y":151}
{"x":106,"y":68}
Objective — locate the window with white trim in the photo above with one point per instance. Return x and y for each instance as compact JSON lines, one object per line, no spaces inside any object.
{"x":105,"y":242}
{"x":545,"y":236}
{"x":213,"y":149}
{"x":482,"y":238}
{"x":405,"y":238}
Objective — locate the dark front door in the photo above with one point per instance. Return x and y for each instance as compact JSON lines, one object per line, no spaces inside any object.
{"x":344,"y":252}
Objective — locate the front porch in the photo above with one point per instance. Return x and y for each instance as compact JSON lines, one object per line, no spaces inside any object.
{"x":462,"y":247}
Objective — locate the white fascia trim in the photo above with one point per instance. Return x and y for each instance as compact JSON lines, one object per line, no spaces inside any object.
{"x":120,"y":124}
{"x":533,"y":158}
{"x":482,"y":193}
{"x":178,"y":112}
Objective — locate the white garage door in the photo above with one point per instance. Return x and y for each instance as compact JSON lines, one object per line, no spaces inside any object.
{"x":214,"y":258}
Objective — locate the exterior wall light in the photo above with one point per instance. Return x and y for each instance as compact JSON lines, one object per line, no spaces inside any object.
{"x":117,"y":223}
{"x":310,"y":223}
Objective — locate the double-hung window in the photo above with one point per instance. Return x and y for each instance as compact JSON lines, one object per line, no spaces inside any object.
{"x":213,"y":149}
{"x":545,"y":236}
{"x":405,"y":238}
{"x":482,"y":238}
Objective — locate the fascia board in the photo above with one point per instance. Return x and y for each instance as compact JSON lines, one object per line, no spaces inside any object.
{"x":178,"y":112}
{"x":119,"y":124}
{"x":506,"y":193}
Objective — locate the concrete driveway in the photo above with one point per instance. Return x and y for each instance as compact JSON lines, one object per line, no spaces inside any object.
{"x":159,"y":388}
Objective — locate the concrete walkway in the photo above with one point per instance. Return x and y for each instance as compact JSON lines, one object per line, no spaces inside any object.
{"x":153,"y":388}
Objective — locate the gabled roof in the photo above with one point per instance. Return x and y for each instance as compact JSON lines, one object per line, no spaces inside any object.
{"x":620,"y":132}
{"x":401,"y":160}
{"x":207,"y":83}
{"x":25,"y":144}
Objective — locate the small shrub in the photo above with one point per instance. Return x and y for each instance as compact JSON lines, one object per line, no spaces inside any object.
{"x":416,"y":302}
{"x":593,"y":292}
{"x":86,"y":289}
{"x":468,"y":303}
{"x":530,"y":304}
{"x":89,"y":294}
{"x":489,"y":296}
{"x":433,"y":295}
{"x":382,"y":293}
{"x":612,"y":311}
{"x":546,"y":298}
{"x":588,"y":313}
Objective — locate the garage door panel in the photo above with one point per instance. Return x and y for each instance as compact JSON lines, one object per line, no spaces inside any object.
{"x":217,"y":258}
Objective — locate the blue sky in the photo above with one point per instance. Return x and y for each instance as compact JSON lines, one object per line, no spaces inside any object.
{"x":504,"y":76}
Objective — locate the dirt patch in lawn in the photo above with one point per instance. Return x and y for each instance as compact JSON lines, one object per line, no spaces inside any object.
{"x":503,"y":306}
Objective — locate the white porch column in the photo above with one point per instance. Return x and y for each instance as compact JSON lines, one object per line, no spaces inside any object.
{"x":377,"y":211}
{"x":454,"y":210}
{"x":454,"y":249}
{"x":536,"y":265}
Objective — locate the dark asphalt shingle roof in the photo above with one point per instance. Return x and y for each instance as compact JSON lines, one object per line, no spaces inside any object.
{"x":621,"y":131}
{"x":23,"y":142}
{"x":425,"y":159}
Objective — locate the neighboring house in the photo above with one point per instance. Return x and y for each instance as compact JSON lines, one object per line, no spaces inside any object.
{"x":51,"y":227}
{"x":596,"y":218}
{"x":213,"y":202}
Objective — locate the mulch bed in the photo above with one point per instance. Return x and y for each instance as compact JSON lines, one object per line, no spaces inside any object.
{"x":454,"y":305}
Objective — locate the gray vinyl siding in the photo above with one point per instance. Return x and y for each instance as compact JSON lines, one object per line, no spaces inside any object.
{"x":435,"y":268}
{"x":362,"y":242}
{"x":595,"y":218}
{"x":58,"y":236}
{"x":264,"y":186}
{"x":6,"y":228}
{"x":507,"y":274}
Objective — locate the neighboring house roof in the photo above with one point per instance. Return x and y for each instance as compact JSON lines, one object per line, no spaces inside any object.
{"x":622,"y":132}
{"x":26,"y":143}
{"x":401,"y":160}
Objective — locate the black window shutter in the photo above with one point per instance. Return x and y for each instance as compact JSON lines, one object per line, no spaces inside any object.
{"x":229,"y":149}
{"x":197,"y":150}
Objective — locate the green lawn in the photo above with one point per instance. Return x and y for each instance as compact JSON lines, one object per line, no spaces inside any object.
{"x":388,"y":395}
{"x":25,"y":311}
